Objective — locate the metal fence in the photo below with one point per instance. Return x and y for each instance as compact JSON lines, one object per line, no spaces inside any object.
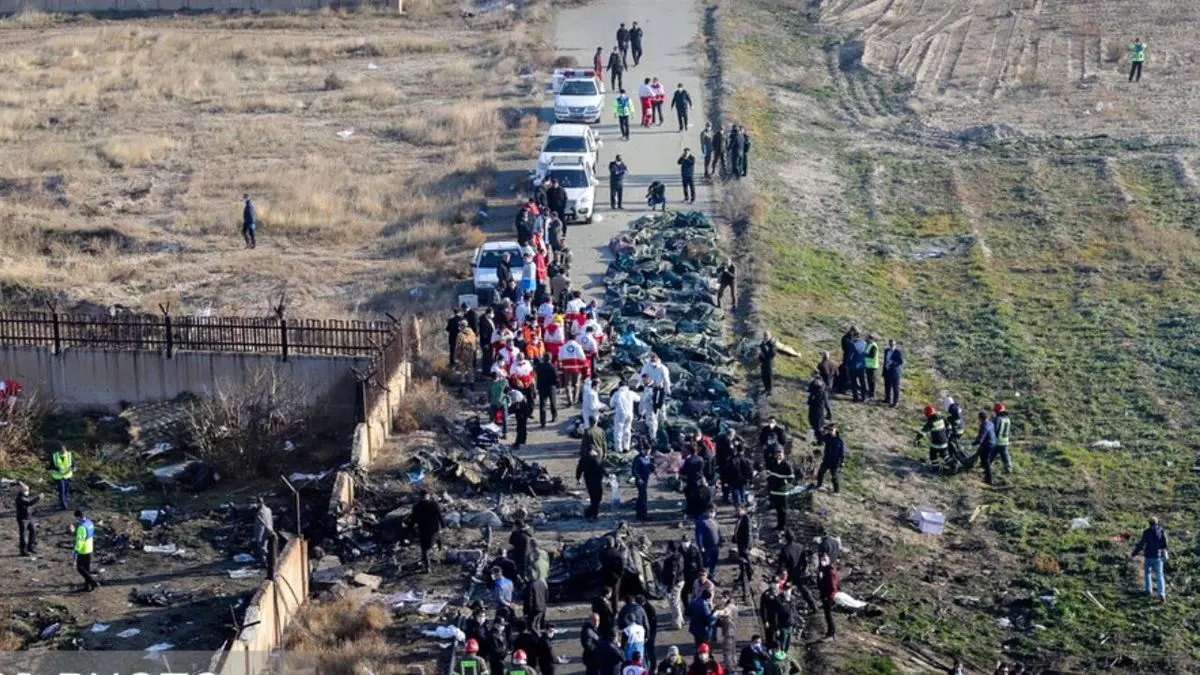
{"x":168,"y":334}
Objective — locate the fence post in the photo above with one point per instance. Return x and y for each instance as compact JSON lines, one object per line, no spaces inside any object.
{"x":170,"y":337}
{"x":57,"y":334}
{"x":283,"y":336}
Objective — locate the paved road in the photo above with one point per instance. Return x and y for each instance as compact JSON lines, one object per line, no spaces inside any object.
{"x":671,"y":27}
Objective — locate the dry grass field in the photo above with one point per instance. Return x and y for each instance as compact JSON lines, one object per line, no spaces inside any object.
{"x":368,"y":142}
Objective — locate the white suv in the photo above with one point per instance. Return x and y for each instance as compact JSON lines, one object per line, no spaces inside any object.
{"x":579,"y":97}
{"x":569,"y":140}
{"x":576,"y":177}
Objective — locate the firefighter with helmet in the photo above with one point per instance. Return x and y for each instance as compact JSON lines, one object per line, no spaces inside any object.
{"x":519,"y":665}
{"x":470,"y":663}
{"x":937,"y":434}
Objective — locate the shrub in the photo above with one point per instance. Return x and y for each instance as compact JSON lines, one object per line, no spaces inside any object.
{"x":334,"y":82}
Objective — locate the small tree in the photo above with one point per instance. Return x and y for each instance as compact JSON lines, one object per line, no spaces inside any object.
{"x":22,"y":430}
{"x":247,"y":429}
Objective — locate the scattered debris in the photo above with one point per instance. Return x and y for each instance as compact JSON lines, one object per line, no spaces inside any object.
{"x":50,"y":631}
{"x":367,"y":580}
{"x":432,"y":608}
{"x":128,"y":633}
{"x":1004,"y":622}
{"x":243,"y":558}
{"x":1094,"y":600}
{"x":345,"y":133}
{"x":193,"y":475}
{"x":160,"y":597}
{"x":1107,"y":445}
{"x":170,"y":549}
{"x":244,"y":573}
{"x":445,"y":633}
{"x":159,"y":647}
{"x":928,"y":520}
{"x":99,"y":627}
{"x":1080,"y":523}
{"x":620,"y":555}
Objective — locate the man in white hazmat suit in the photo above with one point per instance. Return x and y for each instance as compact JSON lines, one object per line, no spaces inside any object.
{"x":623,"y":402}
{"x":661,"y":378}
{"x":592,"y":406}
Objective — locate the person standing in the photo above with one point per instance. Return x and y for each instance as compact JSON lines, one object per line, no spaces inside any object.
{"x":642,"y":470}
{"x":452,"y":328}
{"x":623,"y":108}
{"x":741,"y":534}
{"x":833,"y":457}
{"x":592,"y":473}
{"x":624,"y":406}
{"x":706,"y":147}
{"x":818,"y":405}
{"x":249,"y":224}
{"x":1137,"y":55}
{"x":589,"y":640}
{"x":681,"y":101}
{"x":62,"y":468}
{"x":427,"y":517}
{"x":741,"y":472}
{"x":687,"y":172}
{"x":264,"y":534}
{"x":26,"y":528}
{"x":598,"y":62}
{"x":659,"y":96}
{"x":893,"y":368}
{"x":936,"y":433}
{"x":985,"y":440}
{"x":735,"y":150}
{"x":635,"y":48}
{"x":1003,"y":429}
{"x":536,"y":593}
{"x":871,"y":364}
{"x":718,"y":152}
{"x":785,"y":619}
{"x":726,"y":278}
{"x":623,"y":45}
{"x":616,"y":68}
{"x":546,"y":376}
{"x":85,"y":537}
{"x":616,"y":183}
{"x":779,"y":482}
{"x":647,"y":409}
{"x":827,"y":588}
{"x":1154,"y":544}
{"x":708,"y":540}
{"x":766,"y":361}
{"x":858,"y":368}
{"x":498,"y":401}
{"x":522,"y":409}
{"x":471,"y":663}
{"x":793,"y":560}
{"x":646,"y":100}
{"x":556,"y":201}
{"x":701,"y":619}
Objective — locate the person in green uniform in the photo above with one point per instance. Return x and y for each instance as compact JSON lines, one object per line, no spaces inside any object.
{"x":1137,"y":55}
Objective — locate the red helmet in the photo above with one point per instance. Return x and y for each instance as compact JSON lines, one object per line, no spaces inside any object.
{"x":998,"y":408}
{"x":703,"y":648}
{"x":930,"y":411}
{"x":519,"y":656}
{"x":472,"y":646}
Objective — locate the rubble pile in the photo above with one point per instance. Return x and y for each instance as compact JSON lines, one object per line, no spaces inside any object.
{"x":661,"y":298}
{"x":620,"y":559}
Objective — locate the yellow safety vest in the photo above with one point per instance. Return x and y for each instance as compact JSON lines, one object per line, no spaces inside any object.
{"x":872,"y":360}
{"x":64,"y":465}
{"x":1002,"y":428}
{"x":1137,"y":52}
{"x":84,"y":537}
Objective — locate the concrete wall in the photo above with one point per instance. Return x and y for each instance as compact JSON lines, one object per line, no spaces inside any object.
{"x":98,"y":378}
{"x":150,"y":6}
{"x":271,"y":609}
{"x":371,"y":434}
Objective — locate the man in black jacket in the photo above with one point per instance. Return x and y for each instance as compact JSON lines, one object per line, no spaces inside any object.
{"x":672,"y":581}
{"x":592,"y":473}
{"x":623,"y":45}
{"x":452,"y":331}
{"x":589,"y":640}
{"x":741,"y":472}
{"x":833,"y":457}
{"x":741,"y":533}
{"x":766,"y":361}
{"x":893,"y":366}
{"x":681,"y":102}
{"x":616,"y":183}
{"x":793,"y":559}
{"x":487,"y":326}
{"x":27,"y":530}
{"x":556,"y":200}
{"x":539,"y":194}
{"x":615,"y":69}
{"x":546,"y":376}
{"x":736,"y":148}
{"x":635,"y":48}
{"x":521,"y":541}
{"x":818,"y":404}
{"x":687,"y":173}
{"x":427,"y":517}
{"x":718,"y":151}
{"x":535,"y":604}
